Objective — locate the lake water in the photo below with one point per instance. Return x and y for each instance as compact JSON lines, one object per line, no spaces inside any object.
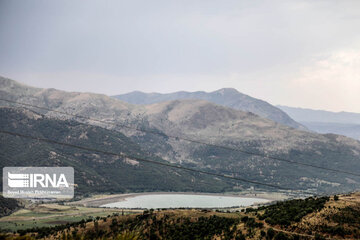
{"x":183,"y":200}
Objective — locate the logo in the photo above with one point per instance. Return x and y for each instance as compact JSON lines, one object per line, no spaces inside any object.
{"x":38,"y":182}
{"x":16,"y":180}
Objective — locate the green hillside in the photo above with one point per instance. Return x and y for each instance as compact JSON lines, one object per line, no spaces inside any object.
{"x":94,"y":172}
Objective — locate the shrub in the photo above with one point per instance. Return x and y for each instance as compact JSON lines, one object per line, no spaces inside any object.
{"x":281,"y":236}
{"x":283,"y":213}
{"x":270,"y":233}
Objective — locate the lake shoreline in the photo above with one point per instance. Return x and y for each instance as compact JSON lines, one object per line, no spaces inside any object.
{"x":100,"y":200}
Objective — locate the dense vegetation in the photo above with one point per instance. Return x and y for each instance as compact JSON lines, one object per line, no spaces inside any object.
{"x":284,"y":213}
{"x":7,"y":206}
{"x":185,"y":228}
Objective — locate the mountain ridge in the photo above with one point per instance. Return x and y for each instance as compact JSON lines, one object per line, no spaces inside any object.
{"x":321,"y":121}
{"x":312,"y":115}
{"x":228,"y":97}
{"x":206,"y":122}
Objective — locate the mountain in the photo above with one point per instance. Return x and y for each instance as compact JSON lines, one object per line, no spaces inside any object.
{"x":203,"y":121}
{"x":227,"y":97}
{"x":215,"y":124}
{"x":346,"y":129}
{"x":94,"y":171}
{"x":309,"y":115}
{"x":343,"y":123}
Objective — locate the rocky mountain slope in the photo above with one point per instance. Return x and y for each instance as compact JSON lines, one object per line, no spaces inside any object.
{"x":207,"y":122}
{"x":94,"y":171}
{"x":227,"y":97}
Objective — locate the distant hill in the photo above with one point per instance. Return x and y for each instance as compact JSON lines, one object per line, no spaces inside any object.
{"x":199,"y":120}
{"x":227,"y":97}
{"x":310,"y":115}
{"x":343,"y":123}
{"x":346,"y":129}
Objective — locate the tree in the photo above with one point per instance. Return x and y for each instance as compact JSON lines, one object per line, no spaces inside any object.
{"x":281,"y":236}
{"x":270,"y":233}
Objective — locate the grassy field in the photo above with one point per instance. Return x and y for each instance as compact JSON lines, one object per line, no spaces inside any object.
{"x":52,"y":214}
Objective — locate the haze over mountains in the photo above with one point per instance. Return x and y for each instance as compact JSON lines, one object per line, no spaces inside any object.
{"x":228,"y":97}
{"x":193,"y":119}
{"x":344,"y":123}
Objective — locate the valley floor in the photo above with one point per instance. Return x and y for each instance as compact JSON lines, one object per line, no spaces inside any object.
{"x":48,"y":215}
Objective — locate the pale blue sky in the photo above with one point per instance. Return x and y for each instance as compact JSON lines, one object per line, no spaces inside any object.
{"x":296,"y":53}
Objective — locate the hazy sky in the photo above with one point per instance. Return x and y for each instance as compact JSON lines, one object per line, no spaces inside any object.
{"x":295,"y":53}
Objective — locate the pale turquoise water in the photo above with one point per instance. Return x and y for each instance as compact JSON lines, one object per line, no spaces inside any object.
{"x":184,"y":200}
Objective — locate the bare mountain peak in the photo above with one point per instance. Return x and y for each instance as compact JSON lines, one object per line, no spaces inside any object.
{"x":228,"y":97}
{"x":197,"y":115}
{"x":91,"y":104}
{"x":6,"y":83}
{"x":224,"y":91}
{"x":181,"y":105}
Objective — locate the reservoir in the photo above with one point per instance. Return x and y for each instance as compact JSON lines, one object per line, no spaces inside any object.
{"x":173,"y":200}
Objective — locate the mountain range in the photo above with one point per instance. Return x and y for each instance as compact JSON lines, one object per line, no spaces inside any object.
{"x":228,"y":97}
{"x":198,"y":120}
{"x":343,"y":123}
